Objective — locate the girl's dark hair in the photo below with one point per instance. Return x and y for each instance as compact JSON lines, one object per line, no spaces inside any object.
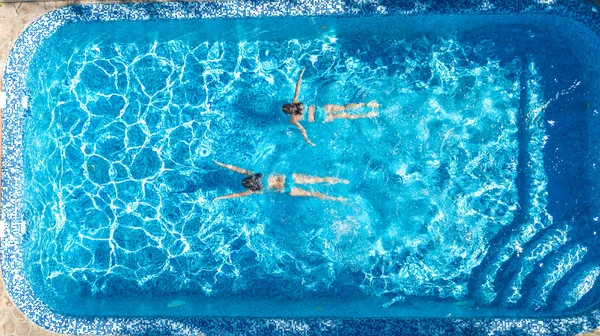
{"x":253,"y":182}
{"x":293,"y":108}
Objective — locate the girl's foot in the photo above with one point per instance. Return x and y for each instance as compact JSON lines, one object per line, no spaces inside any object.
{"x":373,"y":104}
{"x":372,"y":114}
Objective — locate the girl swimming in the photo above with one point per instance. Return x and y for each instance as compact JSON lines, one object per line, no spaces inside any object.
{"x":296,"y":111}
{"x":277,"y":182}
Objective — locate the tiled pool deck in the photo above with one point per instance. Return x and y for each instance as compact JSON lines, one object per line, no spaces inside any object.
{"x":14,"y":17}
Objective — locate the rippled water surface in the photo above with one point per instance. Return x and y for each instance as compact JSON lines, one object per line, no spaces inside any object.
{"x":467,"y":190}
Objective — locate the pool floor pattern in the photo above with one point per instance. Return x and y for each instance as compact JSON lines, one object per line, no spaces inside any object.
{"x":14,"y":17}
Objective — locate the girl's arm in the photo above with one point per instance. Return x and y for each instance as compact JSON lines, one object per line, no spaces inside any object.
{"x":234,"y":168}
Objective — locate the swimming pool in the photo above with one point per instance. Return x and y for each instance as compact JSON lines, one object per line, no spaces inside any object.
{"x":470,"y":195}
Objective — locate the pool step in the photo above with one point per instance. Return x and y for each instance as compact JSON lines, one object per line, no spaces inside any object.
{"x":528,"y":261}
{"x":583,"y":282}
{"x":553,"y":271}
{"x":531,"y":219}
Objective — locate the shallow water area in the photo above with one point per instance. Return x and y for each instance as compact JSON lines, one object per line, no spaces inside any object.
{"x":126,"y":120}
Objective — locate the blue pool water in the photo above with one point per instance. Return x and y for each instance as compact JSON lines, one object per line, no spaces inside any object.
{"x":471,"y":194}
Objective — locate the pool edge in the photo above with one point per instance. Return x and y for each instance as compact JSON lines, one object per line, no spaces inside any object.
{"x":41,"y":314}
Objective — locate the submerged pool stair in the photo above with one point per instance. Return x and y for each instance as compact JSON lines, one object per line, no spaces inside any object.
{"x":536,"y":258}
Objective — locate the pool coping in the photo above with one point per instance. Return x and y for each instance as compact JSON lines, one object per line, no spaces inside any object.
{"x":12,"y":177}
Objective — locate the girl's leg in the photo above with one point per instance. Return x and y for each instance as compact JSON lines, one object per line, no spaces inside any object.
{"x":338,"y":112}
{"x":373,"y":104}
{"x":306,"y":179}
{"x":343,"y":115}
{"x":353,"y":106}
{"x":304,"y":193}
{"x":331,"y":108}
